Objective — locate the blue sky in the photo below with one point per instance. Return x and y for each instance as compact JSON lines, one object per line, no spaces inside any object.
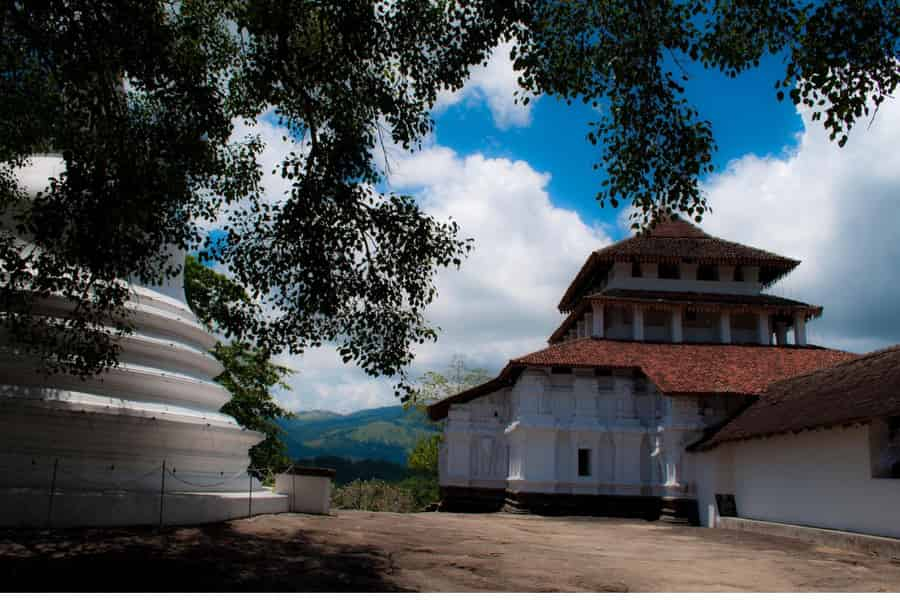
{"x":745,"y":115}
{"x":519,"y":181}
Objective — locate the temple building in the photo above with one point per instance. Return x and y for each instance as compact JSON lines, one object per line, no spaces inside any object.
{"x":664,"y":336}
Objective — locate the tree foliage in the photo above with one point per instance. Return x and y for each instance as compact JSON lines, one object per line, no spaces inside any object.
{"x":141,"y":99}
{"x":632,"y":58}
{"x":248,"y":372}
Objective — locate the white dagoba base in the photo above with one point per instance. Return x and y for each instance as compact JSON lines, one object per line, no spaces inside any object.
{"x":114,"y":449}
{"x":99,"y":446}
{"x":32,"y":508}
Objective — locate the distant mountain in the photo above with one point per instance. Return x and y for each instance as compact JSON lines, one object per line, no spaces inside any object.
{"x":387,"y":433}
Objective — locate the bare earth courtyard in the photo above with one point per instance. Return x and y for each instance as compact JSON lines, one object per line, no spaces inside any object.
{"x":438,"y":552}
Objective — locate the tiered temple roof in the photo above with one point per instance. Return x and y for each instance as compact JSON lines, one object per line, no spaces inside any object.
{"x":689,"y":334}
{"x":672,"y":242}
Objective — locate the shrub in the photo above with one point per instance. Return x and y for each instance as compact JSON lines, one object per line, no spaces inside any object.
{"x":374,"y":495}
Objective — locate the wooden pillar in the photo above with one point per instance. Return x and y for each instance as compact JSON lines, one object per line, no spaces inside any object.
{"x":780,"y":333}
{"x":765,"y":336}
{"x":799,"y":329}
{"x":637,"y":324}
{"x":588,"y":324}
{"x":598,"y":326}
{"x":677,"y":328}
{"x":725,"y":327}
{"x":579,"y":329}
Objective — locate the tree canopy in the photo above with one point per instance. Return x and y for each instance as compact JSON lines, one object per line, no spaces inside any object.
{"x":142,"y":98}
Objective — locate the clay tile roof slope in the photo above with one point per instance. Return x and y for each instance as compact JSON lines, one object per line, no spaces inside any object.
{"x":677,"y":240}
{"x":678,"y":228}
{"x":850,"y":392}
{"x":674,"y":368}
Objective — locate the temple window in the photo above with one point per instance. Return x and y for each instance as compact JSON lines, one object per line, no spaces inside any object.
{"x":669,"y":271}
{"x":739,"y":273}
{"x":708,"y":273}
{"x":584,"y":462}
{"x":640,"y":384}
{"x":744,"y":328}
{"x":605,"y":381}
{"x":636,"y":269}
{"x":701,"y":326}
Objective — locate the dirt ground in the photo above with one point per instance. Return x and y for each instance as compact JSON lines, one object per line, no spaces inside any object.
{"x":437,"y":552}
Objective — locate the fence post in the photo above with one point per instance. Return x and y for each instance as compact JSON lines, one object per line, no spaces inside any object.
{"x":250,"y":497}
{"x":162,"y":493}
{"x":293,"y":490}
{"x":52,"y":493}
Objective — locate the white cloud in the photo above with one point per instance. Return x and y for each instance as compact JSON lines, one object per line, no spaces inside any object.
{"x":494,"y":83}
{"x":836,"y":209}
{"x":501,"y":303}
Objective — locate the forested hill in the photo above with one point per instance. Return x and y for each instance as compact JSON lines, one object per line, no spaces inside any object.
{"x":386,"y":433}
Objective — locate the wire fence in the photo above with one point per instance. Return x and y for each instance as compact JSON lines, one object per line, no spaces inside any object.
{"x":54,"y":480}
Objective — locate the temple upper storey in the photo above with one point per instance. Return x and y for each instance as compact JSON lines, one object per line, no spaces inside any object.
{"x":678,"y":284}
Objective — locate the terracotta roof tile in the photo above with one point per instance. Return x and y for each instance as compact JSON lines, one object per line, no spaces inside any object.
{"x":850,"y":392}
{"x":674,"y":368}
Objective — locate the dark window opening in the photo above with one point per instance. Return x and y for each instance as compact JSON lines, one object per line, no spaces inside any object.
{"x":669,"y":271}
{"x":690,"y":316}
{"x":739,"y":273}
{"x":636,"y":269}
{"x":708,"y":273}
{"x":584,"y":462}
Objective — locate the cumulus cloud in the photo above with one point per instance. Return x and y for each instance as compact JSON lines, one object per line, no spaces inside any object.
{"x":501,"y":303}
{"x":494,"y":83}
{"x":837,"y":210}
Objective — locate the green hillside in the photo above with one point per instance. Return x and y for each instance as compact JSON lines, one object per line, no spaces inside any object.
{"x":377,"y":434}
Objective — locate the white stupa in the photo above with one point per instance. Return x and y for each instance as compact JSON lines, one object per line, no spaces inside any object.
{"x":100,"y":444}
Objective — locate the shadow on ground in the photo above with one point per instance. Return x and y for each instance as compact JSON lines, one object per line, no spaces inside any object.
{"x":217,"y":557}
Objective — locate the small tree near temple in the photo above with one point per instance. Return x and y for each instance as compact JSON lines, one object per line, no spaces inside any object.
{"x":433,"y":387}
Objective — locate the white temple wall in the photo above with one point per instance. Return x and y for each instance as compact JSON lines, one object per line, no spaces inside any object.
{"x":527,"y":438}
{"x":475,"y":451}
{"x":819,"y":478}
{"x":620,"y":277}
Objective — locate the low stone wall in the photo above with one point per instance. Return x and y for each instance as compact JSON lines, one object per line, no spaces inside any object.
{"x":32,"y":508}
{"x":309,"y":489}
{"x":847,"y":540}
